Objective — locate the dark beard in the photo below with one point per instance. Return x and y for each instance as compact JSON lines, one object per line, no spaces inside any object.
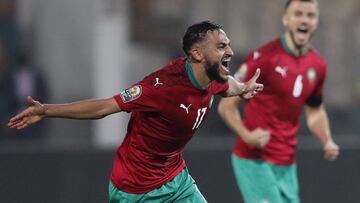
{"x":212,"y":71}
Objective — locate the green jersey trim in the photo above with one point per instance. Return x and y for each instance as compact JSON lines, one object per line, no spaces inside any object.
{"x":191,"y":76}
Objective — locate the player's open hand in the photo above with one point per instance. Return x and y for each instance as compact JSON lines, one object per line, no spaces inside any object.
{"x":257,"y":138}
{"x":331,"y":151}
{"x":34,"y":113}
{"x":252,"y":87}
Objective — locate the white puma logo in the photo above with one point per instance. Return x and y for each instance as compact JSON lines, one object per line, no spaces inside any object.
{"x":281,"y":70}
{"x":158,"y":82}
{"x":185,"y":107}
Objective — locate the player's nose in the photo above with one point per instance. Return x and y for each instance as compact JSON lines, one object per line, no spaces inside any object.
{"x":229,"y":51}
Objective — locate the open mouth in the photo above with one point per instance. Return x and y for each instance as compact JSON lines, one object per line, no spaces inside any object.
{"x":302,"y":35}
{"x":225,"y":65}
{"x":303,"y":29}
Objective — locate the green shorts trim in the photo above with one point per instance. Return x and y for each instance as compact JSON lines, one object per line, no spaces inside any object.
{"x":181,"y":189}
{"x":262,"y":182}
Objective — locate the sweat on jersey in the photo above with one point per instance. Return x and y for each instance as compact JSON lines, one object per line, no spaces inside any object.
{"x":167,"y":107}
{"x":290,"y":82}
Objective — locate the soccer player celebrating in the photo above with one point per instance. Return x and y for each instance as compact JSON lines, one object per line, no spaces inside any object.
{"x":167,"y":107}
{"x":293,"y":74}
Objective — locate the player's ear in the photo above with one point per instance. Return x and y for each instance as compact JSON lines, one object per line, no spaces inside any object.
{"x":196,"y":53}
{"x":285,"y":20}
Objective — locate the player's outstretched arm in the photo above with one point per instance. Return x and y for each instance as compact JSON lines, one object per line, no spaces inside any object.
{"x":247,"y":89}
{"x":86,"y":109}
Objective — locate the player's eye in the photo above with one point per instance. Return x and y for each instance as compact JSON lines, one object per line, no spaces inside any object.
{"x":297,"y":13}
{"x":221,"y":46}
{"x":311,"y":15}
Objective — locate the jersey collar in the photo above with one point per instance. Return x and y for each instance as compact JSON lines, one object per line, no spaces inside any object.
{"x":287,"y":48}
{"x":191,"y":75}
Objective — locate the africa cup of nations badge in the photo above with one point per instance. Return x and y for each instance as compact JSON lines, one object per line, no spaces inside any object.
{"x":131,"y":94}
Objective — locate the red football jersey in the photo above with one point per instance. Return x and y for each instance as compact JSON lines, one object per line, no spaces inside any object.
{"x":167,"y":107}
{"x":289,"y":83}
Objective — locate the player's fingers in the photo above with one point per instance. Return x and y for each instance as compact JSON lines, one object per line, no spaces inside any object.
{"x":266,"y":140}
{"x":22,"y":126}
{"x":17,"y":117}
{"x":261,"y":142}
{"x":264,"y":132}
{"x":259,"y":87}
{"x":267,"y":137}
{"x":31,"y":100}
{"x":21,"y":115}
{"x":332,"y":158}
{"x":256,"y":75}
{"x":335,"y":154}
{"x":11,"y":124}
{"x":19,"y":124}
{"x":331,"y":155}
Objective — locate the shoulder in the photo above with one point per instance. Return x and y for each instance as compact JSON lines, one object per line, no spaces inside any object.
{"x":317,"y":63}
{"x":270,"y":47}
{"x":316,"y":57}
{"x":166,"y":75}
{"x":266,"y":51}
{"x":261,"y":57}
{"x":264,"y":54}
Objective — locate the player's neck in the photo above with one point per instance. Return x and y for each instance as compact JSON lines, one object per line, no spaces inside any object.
{"x":295,"y":50}
{"x":200,"y":74}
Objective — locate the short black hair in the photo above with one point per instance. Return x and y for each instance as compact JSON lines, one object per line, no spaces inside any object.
{"x":196,"y":33}
{"x":289,"y":2}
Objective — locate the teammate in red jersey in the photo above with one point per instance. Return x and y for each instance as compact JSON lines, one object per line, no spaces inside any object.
{"x":293,"y":75}
{"x":167,"y":107}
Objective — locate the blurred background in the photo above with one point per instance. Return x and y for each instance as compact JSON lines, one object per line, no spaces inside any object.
{"x":63,"y":51}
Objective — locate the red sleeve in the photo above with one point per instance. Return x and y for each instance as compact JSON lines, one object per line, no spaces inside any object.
{"x":139,"y":97}
{"x":320,"y":85}
{"x":218,"y":88}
